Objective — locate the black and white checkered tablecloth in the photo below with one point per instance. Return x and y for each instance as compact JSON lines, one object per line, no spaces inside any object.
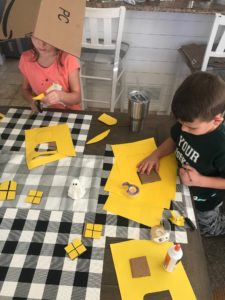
{"x":33,"y":262}
{"x":177,"y":235}
{"x":53,"y":180}
{"x":17,"y":120}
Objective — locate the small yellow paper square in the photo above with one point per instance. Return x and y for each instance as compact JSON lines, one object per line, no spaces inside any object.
{"x":34,"y":197}
{"x":69,"y":248}
{"x":8,"y":190}
{"x":88,"y":233}
{"x":3,"y":195}
{"x":32,"y":192}
{"x":74,"y":249}
{"x":93,"y":231}
{"x":98,"y":227}
{"x":11,"y":195}
{"x":80,"y":249}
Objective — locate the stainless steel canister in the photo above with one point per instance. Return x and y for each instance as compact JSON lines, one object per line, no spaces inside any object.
{"x":138,"y":106}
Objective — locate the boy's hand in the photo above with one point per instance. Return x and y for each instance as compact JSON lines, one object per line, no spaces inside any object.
{"x":147,"y":164}
{"x":190,"y":176}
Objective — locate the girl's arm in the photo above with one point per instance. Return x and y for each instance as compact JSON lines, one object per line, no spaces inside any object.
{"x":28,"y":95}
{"x":68,"y":98}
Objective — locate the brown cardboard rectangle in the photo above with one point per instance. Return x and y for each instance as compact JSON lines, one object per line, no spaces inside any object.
{"x":18,"y":18}
{"x":58,"y":22}
{"x":139,"y":267}
{"x":152,"y":177}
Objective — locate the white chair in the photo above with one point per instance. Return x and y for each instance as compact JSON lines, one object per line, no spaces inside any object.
{"x":103,"y":55}
{"x":211,"y":56}
{"x":205,"y":57}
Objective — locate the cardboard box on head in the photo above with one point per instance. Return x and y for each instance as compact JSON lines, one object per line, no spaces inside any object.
{"x":58,"y":22}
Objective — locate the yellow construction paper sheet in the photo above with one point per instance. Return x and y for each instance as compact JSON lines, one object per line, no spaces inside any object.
{"x":59,"y":134}
{"x":98,"y":137}
{"x":137,"y":211}
{"x":146,"y":207}
{"x":131,"y":288}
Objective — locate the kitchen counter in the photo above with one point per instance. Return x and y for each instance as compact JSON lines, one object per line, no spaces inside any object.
{"x":186,"y":6}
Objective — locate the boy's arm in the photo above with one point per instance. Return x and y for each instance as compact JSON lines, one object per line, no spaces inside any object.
{"x":152,"y":161}
{"x":191,"y":177}
{"x":167,"y":147}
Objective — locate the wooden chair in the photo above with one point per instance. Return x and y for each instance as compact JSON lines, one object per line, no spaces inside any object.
{"x":205,"y":57}
{"x":211,"y":56}
{"x":103,"y":54}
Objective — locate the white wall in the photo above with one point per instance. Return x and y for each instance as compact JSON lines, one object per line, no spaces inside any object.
{"x":153,"y":59}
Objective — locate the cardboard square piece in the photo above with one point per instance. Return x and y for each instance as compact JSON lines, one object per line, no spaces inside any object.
{"x":152,"y":177}
{"x":139,"y":267}
{"x":158,"y":295}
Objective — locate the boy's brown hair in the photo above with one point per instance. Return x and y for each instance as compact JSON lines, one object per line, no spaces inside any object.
{"x":201,"y":96}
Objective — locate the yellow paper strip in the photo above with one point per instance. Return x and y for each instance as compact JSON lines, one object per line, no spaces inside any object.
{"x":39,"y":97}
{"x":98,"y":137}
{"x":176,"y":282}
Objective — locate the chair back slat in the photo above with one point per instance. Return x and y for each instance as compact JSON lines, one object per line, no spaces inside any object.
{"x":221,"y":45}
{"x":103,"y":26}
{"x":93,"y":26}
{"x":107,"y":31}
{"x":218,"y":24}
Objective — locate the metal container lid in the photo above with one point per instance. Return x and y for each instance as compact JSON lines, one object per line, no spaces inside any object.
{"x":138,"y":96}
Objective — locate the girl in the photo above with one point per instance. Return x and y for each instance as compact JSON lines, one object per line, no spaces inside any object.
{"x":53,"y":72}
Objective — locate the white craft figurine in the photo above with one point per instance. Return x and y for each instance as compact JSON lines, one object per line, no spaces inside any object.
{"x":76,"y":190}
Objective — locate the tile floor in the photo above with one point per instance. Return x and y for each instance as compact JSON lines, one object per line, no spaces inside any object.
{"x":10,"y":95}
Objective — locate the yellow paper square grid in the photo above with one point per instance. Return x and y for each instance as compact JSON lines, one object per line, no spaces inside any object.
{"x":75,"y":249}
{"x":93,"y":231}
{"x":34,"y":197}
{"x":8,"y":190}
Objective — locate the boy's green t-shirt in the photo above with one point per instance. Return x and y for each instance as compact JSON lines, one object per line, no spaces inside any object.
{"x":205,"y":153}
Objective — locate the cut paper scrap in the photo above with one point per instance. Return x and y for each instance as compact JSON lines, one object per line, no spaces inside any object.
{"x":8,"y":190}
{"x":39,"y":97}
{"x":34,"y":197}
{"x":131,"y":288}
{"x":75,"y":249}
{"x":59,"y":135}
{"x":147,"y":206}
{"x":1,"y":117}
{"x":98,"y":137}
{"x":107,"y":119}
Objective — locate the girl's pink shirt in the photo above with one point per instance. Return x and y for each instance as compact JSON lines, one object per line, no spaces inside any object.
{"x":41,"y":78}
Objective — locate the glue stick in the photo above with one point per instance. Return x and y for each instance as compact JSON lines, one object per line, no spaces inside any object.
{"x":172,"y":258}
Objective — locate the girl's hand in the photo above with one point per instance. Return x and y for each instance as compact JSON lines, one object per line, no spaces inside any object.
{"x":190,"y":176}
{"x":52,"y":98}
{"x":147,"y":164}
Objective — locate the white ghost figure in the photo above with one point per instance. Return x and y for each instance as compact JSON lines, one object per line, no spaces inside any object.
{"x":76,"y":190}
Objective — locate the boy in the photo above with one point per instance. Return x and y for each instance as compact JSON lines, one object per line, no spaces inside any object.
{"x":198,"y":139}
